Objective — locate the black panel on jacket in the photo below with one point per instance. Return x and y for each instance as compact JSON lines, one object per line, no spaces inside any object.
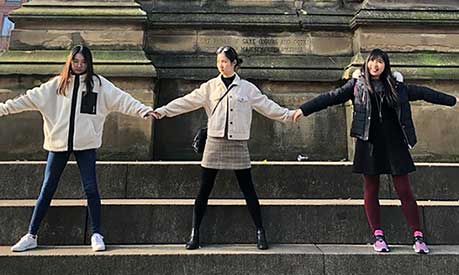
{"x":89,"y":103}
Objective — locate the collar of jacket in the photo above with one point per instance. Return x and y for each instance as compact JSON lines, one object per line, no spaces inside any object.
{"x":236,"y":81}
{"x":82,"y":77}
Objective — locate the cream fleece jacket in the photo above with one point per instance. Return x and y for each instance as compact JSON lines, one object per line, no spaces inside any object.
{"x":56,"y":112}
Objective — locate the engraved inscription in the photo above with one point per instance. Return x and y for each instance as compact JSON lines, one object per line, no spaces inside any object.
{"x":259,"y":45}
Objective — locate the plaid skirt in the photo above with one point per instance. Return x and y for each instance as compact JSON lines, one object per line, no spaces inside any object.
{"x":224,"y":154}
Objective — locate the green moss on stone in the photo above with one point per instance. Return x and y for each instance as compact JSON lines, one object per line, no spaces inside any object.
{"x":41,"y":56}
{"x":80,"y":12}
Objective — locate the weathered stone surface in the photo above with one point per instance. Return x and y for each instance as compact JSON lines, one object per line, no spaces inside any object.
{"x":281,"y":180}
{"x":271,"y":181}
{"x":64,"y":39}
{"x":401,"y":260}
{"x":408,"y":39}
{"x":250,"y":44}
{"x":166,"y":259}
{"x":239,"y":259}
{"x":295,"y":223}
{"x":226,"y":221}
{"x":23,"y":181}
{"x":437,"y":220}
{"x":45,"y":30}
{"x":436,"y":135}
{"x":62,"y":225}
{"x":299,"y":71}
{"x":290,"y":42}
{"x":412,"y":4}
{"x":60,"y":25}
{"x":193,"y":5}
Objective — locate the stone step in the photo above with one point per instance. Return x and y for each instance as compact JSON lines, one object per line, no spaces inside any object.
{"x":276,"y":68}
{"x":230,"y":259}
{"x":106,"y":25}
{"x":109,"y":63}
{"x":44,"y":32}
{"x":273,"y":180}
{"x":227,"y":221}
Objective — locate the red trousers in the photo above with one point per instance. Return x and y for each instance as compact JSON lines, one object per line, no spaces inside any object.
{"x":405,"y":194}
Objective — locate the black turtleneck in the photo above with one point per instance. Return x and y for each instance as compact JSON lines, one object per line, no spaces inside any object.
{"x":228,"y":80}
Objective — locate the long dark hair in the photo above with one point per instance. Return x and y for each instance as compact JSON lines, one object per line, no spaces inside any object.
{"x":231,"y":54}
{"x":67,"y":70}
{"x":386,"y":77}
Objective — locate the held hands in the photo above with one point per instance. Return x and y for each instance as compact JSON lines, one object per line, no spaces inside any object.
{"x":153,"y":115}
{"x":297,"y":115}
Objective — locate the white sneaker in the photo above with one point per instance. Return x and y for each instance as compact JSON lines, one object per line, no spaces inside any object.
{"x":27,"y":242}
{"x":97,"y":242}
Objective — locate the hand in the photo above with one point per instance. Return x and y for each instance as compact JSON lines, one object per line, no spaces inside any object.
{"x":153,"y":115}
{"x":297,"y":115}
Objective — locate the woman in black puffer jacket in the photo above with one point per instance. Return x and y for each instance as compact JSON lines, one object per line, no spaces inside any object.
{"x":384,"y":132}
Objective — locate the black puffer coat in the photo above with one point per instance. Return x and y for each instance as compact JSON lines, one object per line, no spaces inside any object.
{"x":362,"y":106}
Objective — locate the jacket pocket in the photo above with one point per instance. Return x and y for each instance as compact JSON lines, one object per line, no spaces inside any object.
{"x":242,"y":99}
{"x":89,"y":103}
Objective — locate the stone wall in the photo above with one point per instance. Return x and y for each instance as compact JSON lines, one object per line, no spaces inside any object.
{"x":40,"y":43}
{"x":292,"y":50}
{"x":5,"y":8}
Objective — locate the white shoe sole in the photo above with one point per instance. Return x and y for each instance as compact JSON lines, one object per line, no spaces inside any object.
{"x":13,"y":249}
{"x":96,"y":249}
{"x":421,"y":251}
{"x":381,"y":250}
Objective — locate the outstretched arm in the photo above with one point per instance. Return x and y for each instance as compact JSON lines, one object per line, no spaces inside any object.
{"x":430,"y":95}
{"x":32,"y":100}
{"x":190,"y":102}
{"x":322,"y":101}
{"x":270,"y":109}
{"x":120,"y":101}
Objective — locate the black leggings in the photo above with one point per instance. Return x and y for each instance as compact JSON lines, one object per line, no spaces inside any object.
{"x":244,"y":178}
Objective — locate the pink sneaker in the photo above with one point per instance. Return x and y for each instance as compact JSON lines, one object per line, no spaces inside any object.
{"x":380,"y":244}
{"x":420,"y":246}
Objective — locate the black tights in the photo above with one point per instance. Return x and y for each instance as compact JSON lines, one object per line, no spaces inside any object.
{"x":244,"y":178}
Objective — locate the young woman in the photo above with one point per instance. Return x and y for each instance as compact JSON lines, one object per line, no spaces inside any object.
{"x":74,"y":106}
{"x":384,"y":131}
{"x":228,"y":101}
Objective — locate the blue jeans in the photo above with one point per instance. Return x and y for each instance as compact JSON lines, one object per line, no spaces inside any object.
{"x":54,"y":167}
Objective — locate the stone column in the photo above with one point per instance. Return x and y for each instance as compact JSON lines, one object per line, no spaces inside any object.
{"x":422,"y":39}
{"x":45,"y":31}
{"x":288,"y":53}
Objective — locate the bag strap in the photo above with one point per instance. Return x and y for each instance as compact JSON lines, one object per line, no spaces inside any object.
{"x":213,"y":111}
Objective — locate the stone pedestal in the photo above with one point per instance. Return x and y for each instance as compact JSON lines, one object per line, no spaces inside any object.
{"x":289,"y":55}
{"x":45,"y":31}
{"x":422,"y":39}
{"x":292,"y":50}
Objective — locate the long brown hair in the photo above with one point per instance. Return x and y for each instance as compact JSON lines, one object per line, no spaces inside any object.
{"x":386,"y":77}
{"x":67,"y":70}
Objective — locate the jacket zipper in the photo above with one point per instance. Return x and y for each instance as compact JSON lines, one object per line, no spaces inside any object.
{"x":367,"y":122}
{"x":399,"y":117}
{"x":76,"y":86}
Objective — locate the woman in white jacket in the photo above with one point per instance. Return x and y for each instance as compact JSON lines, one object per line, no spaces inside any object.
{"x":74,"y":106}
{"x":228,"y":101}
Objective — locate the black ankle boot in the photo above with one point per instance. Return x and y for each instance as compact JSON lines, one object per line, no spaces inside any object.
{"x":262,"y":243}
{"x":193,"y":243}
